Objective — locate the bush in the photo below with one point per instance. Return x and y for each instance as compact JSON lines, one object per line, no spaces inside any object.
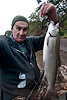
{"x":63,"y":28}
{"x":63,"y":32}
{"x":65,"y":23}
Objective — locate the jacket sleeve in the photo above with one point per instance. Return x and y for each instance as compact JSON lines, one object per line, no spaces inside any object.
{"x":37,"y":42}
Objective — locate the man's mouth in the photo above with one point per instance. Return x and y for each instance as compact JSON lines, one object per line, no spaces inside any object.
{"x":20,"y":37}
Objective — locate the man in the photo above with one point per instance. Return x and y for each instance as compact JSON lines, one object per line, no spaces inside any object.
{"x":19,"y":70}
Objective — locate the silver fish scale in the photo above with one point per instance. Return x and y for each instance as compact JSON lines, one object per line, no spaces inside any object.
{"x":51,"y":55}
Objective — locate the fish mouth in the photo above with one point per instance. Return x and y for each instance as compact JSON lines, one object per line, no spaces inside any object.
{"x":52,"y":35}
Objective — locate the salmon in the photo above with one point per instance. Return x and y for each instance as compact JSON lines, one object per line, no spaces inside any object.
{"x":51,"y":58}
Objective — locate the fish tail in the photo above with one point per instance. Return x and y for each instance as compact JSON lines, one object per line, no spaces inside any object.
{"x":50,"y":94}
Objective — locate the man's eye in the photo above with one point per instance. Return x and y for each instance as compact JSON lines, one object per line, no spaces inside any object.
{"x":25,"y":29}
{"x":19,"y":28}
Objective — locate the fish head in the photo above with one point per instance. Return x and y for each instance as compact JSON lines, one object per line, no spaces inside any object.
{"x":53,"y":29}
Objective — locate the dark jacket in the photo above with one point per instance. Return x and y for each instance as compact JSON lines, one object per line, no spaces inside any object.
{"x":13,"y":61}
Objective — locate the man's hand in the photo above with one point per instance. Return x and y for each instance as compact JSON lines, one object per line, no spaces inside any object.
{"x":50,"y":10}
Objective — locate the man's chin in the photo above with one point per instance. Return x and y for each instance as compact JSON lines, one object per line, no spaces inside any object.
{"x":20,"y":40}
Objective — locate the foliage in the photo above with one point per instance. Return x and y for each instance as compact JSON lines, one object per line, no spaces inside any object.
{"x":36,"y":22}
{"x":63,"y":28}
{"x":63,"y":32}
{"x":61,"y":6}
{"x":65,"y":23}
{"x":8,"y":33}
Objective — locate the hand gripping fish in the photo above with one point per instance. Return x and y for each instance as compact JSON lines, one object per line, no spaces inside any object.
{"x":51,"y":57}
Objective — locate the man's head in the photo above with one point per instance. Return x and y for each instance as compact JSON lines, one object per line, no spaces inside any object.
{"x":19,"y":28}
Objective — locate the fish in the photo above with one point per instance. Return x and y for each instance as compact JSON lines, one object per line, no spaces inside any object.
{"x":51,"y":58}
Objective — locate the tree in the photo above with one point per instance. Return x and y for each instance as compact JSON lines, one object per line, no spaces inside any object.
{"x":61,"y":6}
{"x":36,"y":20}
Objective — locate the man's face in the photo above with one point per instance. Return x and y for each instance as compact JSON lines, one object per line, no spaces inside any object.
{"x":20,"y":30}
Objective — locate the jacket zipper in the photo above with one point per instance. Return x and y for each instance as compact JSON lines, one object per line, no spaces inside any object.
{"x":24,"y":56}
{"x":20,"y":52}
{"x":32,"y":65}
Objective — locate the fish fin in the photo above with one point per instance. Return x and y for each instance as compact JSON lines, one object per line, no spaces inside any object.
{"x":50,"y":94}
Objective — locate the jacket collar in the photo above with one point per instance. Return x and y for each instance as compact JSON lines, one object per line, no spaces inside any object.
{"x":15,"y":45}
{"x":11,"y":42}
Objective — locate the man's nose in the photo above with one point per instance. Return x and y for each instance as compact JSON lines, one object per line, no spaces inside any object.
{"x":21,"y":32}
